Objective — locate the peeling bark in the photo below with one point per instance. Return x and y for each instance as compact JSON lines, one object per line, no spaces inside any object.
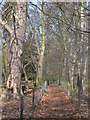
{"x":15,"y":52}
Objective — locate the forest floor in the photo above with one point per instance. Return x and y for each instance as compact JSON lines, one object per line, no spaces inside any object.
{"x":55,"y":104}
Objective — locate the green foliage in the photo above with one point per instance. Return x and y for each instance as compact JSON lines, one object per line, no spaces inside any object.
{"x":46,"y":92}
{"x":79,"y":99}
{"x":87,"y":82}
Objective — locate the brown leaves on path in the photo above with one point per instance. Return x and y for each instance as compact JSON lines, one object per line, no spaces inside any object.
{"x":55,"y":104}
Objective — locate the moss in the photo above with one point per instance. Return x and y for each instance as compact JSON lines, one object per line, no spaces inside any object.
{"x":46,"y":92}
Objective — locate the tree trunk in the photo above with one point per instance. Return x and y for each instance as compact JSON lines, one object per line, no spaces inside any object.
{"x":25,"y":74}
{"x":16,"y":48}
{"x":0,"y":60}
{"x":40,"y":64}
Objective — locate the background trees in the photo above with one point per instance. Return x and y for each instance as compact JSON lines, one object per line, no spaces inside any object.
{"x":51,"y":40}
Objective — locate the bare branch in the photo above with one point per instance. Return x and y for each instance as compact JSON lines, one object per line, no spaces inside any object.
{"x":7,"y":27}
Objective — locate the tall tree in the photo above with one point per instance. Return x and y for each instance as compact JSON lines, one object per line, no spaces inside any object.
{"x":40,"y":64}
{"x":16,"y":46}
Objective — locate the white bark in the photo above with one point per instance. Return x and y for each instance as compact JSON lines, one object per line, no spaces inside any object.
{"x":83,"y":52}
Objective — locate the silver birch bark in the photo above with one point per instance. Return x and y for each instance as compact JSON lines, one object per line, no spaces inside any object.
{"x":0,"y":67}
{"x":83,"y":50}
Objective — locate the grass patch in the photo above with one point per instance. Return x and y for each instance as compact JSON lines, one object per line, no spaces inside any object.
{"x":28,"y":100}
{"x":46,"y":92}
{"x":87,"y":82}
{"x":0,"y":92}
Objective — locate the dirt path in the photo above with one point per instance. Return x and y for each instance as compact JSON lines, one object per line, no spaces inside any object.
{"x":56,"y":104}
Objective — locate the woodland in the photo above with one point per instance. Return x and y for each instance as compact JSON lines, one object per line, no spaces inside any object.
{"x":44,"y":60}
